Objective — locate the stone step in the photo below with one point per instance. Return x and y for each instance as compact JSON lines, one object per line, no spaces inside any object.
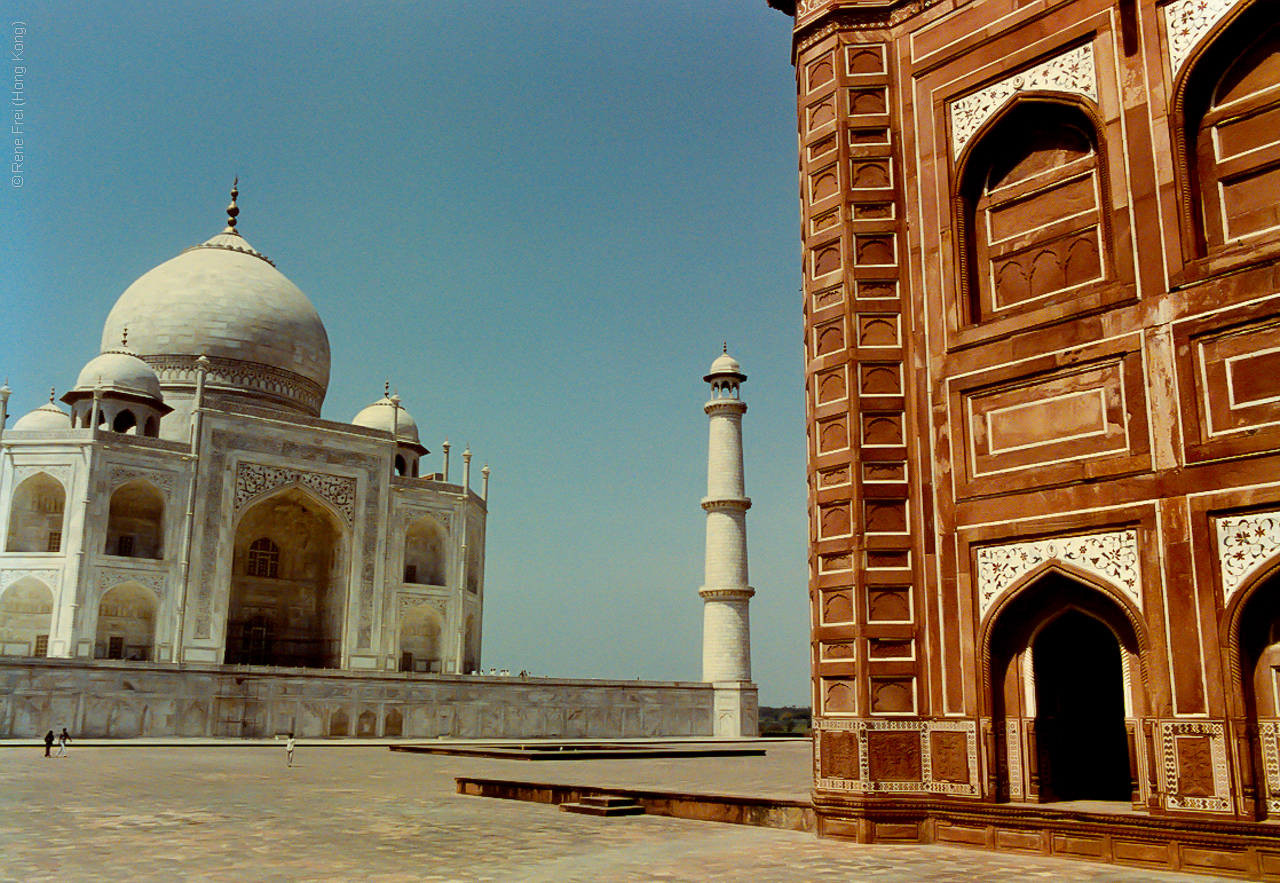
{"x":604,"y":805}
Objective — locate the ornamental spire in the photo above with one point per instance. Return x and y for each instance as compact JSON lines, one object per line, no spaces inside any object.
{"x":233,"y":209}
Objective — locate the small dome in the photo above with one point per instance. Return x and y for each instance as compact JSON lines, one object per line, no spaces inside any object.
{"x":382,"y":413}
{"x":120,"y":371}
{"x":44,"y":418}
{"x":725,"y":365}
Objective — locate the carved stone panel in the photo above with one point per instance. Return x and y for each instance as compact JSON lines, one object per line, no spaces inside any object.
{"x":949,"y":757}
{"x":839,"y":755}
{"x":1195,"y":765}
{"x":894,"y":756}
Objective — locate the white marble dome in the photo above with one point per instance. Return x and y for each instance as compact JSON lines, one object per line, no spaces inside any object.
{"x":121,"y":372}
{"x":224,"y":299}
{"x":382,"y":413}
{"x":725,"y":364}
{"x":43,"y":419}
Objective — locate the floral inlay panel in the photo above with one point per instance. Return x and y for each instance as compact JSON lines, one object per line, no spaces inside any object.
{"x":255,"y":479}
{"x":1186,"y":22}
{"x":1072,"y":71}
{"x":1245,"y":543}
{"x":1112,"y":556}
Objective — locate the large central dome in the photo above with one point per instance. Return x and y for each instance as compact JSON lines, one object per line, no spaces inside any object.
{"x":223,"y":299}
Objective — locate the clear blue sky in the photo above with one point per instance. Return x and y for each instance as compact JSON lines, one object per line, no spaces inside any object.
{"x":539,"y":221}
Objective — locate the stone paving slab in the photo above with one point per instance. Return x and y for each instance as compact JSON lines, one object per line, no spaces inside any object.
{"x":218,"y":813}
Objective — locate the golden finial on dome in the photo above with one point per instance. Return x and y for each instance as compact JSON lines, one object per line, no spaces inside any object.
{"x":124,"y":337}
{"x":386,"y":390}
{"x":52,"y":390}
{"x":233,"y":209}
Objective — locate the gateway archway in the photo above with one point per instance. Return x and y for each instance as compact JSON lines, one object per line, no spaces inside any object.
{"x":1257,"y":640}
{"x":289,"y":584}
{"x":1063,"y":655}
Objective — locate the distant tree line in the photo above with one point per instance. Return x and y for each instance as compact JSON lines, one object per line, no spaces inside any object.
{"x":789,"y":720}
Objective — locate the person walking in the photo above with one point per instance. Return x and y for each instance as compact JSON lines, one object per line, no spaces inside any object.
{"x":63,"y":738}
{"x":288,"y":748}
{"x":48,"y":742}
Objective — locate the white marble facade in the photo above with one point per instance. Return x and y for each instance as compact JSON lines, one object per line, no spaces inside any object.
{"x":190,"y":506}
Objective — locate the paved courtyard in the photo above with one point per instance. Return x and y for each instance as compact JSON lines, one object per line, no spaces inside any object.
{"x":185,"y":812}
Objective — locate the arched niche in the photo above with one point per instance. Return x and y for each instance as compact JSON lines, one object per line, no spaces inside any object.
{"x":424,"y":552}
{"x":126,"y":623}
{"x":420,"y":645}
{"x":1254,"y":643}
{"x":475,"y":561}
{"x":290,"y":575}
{"x":35,"y":515}
{"x":135,"y":521}
{"x":26,"y":618}
{"x":1064,"y":681}
{"x":471,"y":647}
{"x":1031,"y":209}
{"x":1227,"y":114}
{"x":125,"y":421}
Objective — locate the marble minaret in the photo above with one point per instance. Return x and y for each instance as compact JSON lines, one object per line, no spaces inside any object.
{"x":726,"y":630}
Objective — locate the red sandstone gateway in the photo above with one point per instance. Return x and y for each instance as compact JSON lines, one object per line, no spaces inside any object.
{"x":1042,"y":301}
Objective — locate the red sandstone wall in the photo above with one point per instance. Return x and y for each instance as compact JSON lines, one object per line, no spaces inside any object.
{"x":1029,"y":363}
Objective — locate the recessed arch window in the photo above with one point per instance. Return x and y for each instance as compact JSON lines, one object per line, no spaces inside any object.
{"x":1032,"y":211}
{"x":35,"y":515}
{"x":264,"y":559}
{"x":135,"y":521}
{"x":424,"y":552}
{"x":1232,"y":106}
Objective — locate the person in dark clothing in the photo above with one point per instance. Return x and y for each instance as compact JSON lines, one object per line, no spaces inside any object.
{"x":63,"y":738}
{"x":48,"y":742}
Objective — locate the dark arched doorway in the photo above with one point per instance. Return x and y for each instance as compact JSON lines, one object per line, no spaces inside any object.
{"x":1082,"y":749}
{"x":1258,"y":649}
{"x":1059,"y":652}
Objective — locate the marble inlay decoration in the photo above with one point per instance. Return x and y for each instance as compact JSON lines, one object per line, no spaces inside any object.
{"x":440,"y":605}
{"x":1216,"y":761}
{"x":1269,"y":736}
{"x":1013,"y":753}
{"x":48,"y":577}
{"x":1186,"y":22}
{"x":918,"y":748}
{"x":111,"y":577}
{"x":124,"y":474}
{"x":256,"y":479}
{"x":22,"y":473}
{"x":1072,"y":71}
{"x":1245,"y":543}
{"x":1112,"y":556}
{"x":410,"y":515}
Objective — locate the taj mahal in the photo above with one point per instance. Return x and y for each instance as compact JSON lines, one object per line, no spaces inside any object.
{"x":190,"y":549}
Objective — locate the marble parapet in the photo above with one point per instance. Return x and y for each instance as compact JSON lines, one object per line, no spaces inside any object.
{"x":117,"y":699}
